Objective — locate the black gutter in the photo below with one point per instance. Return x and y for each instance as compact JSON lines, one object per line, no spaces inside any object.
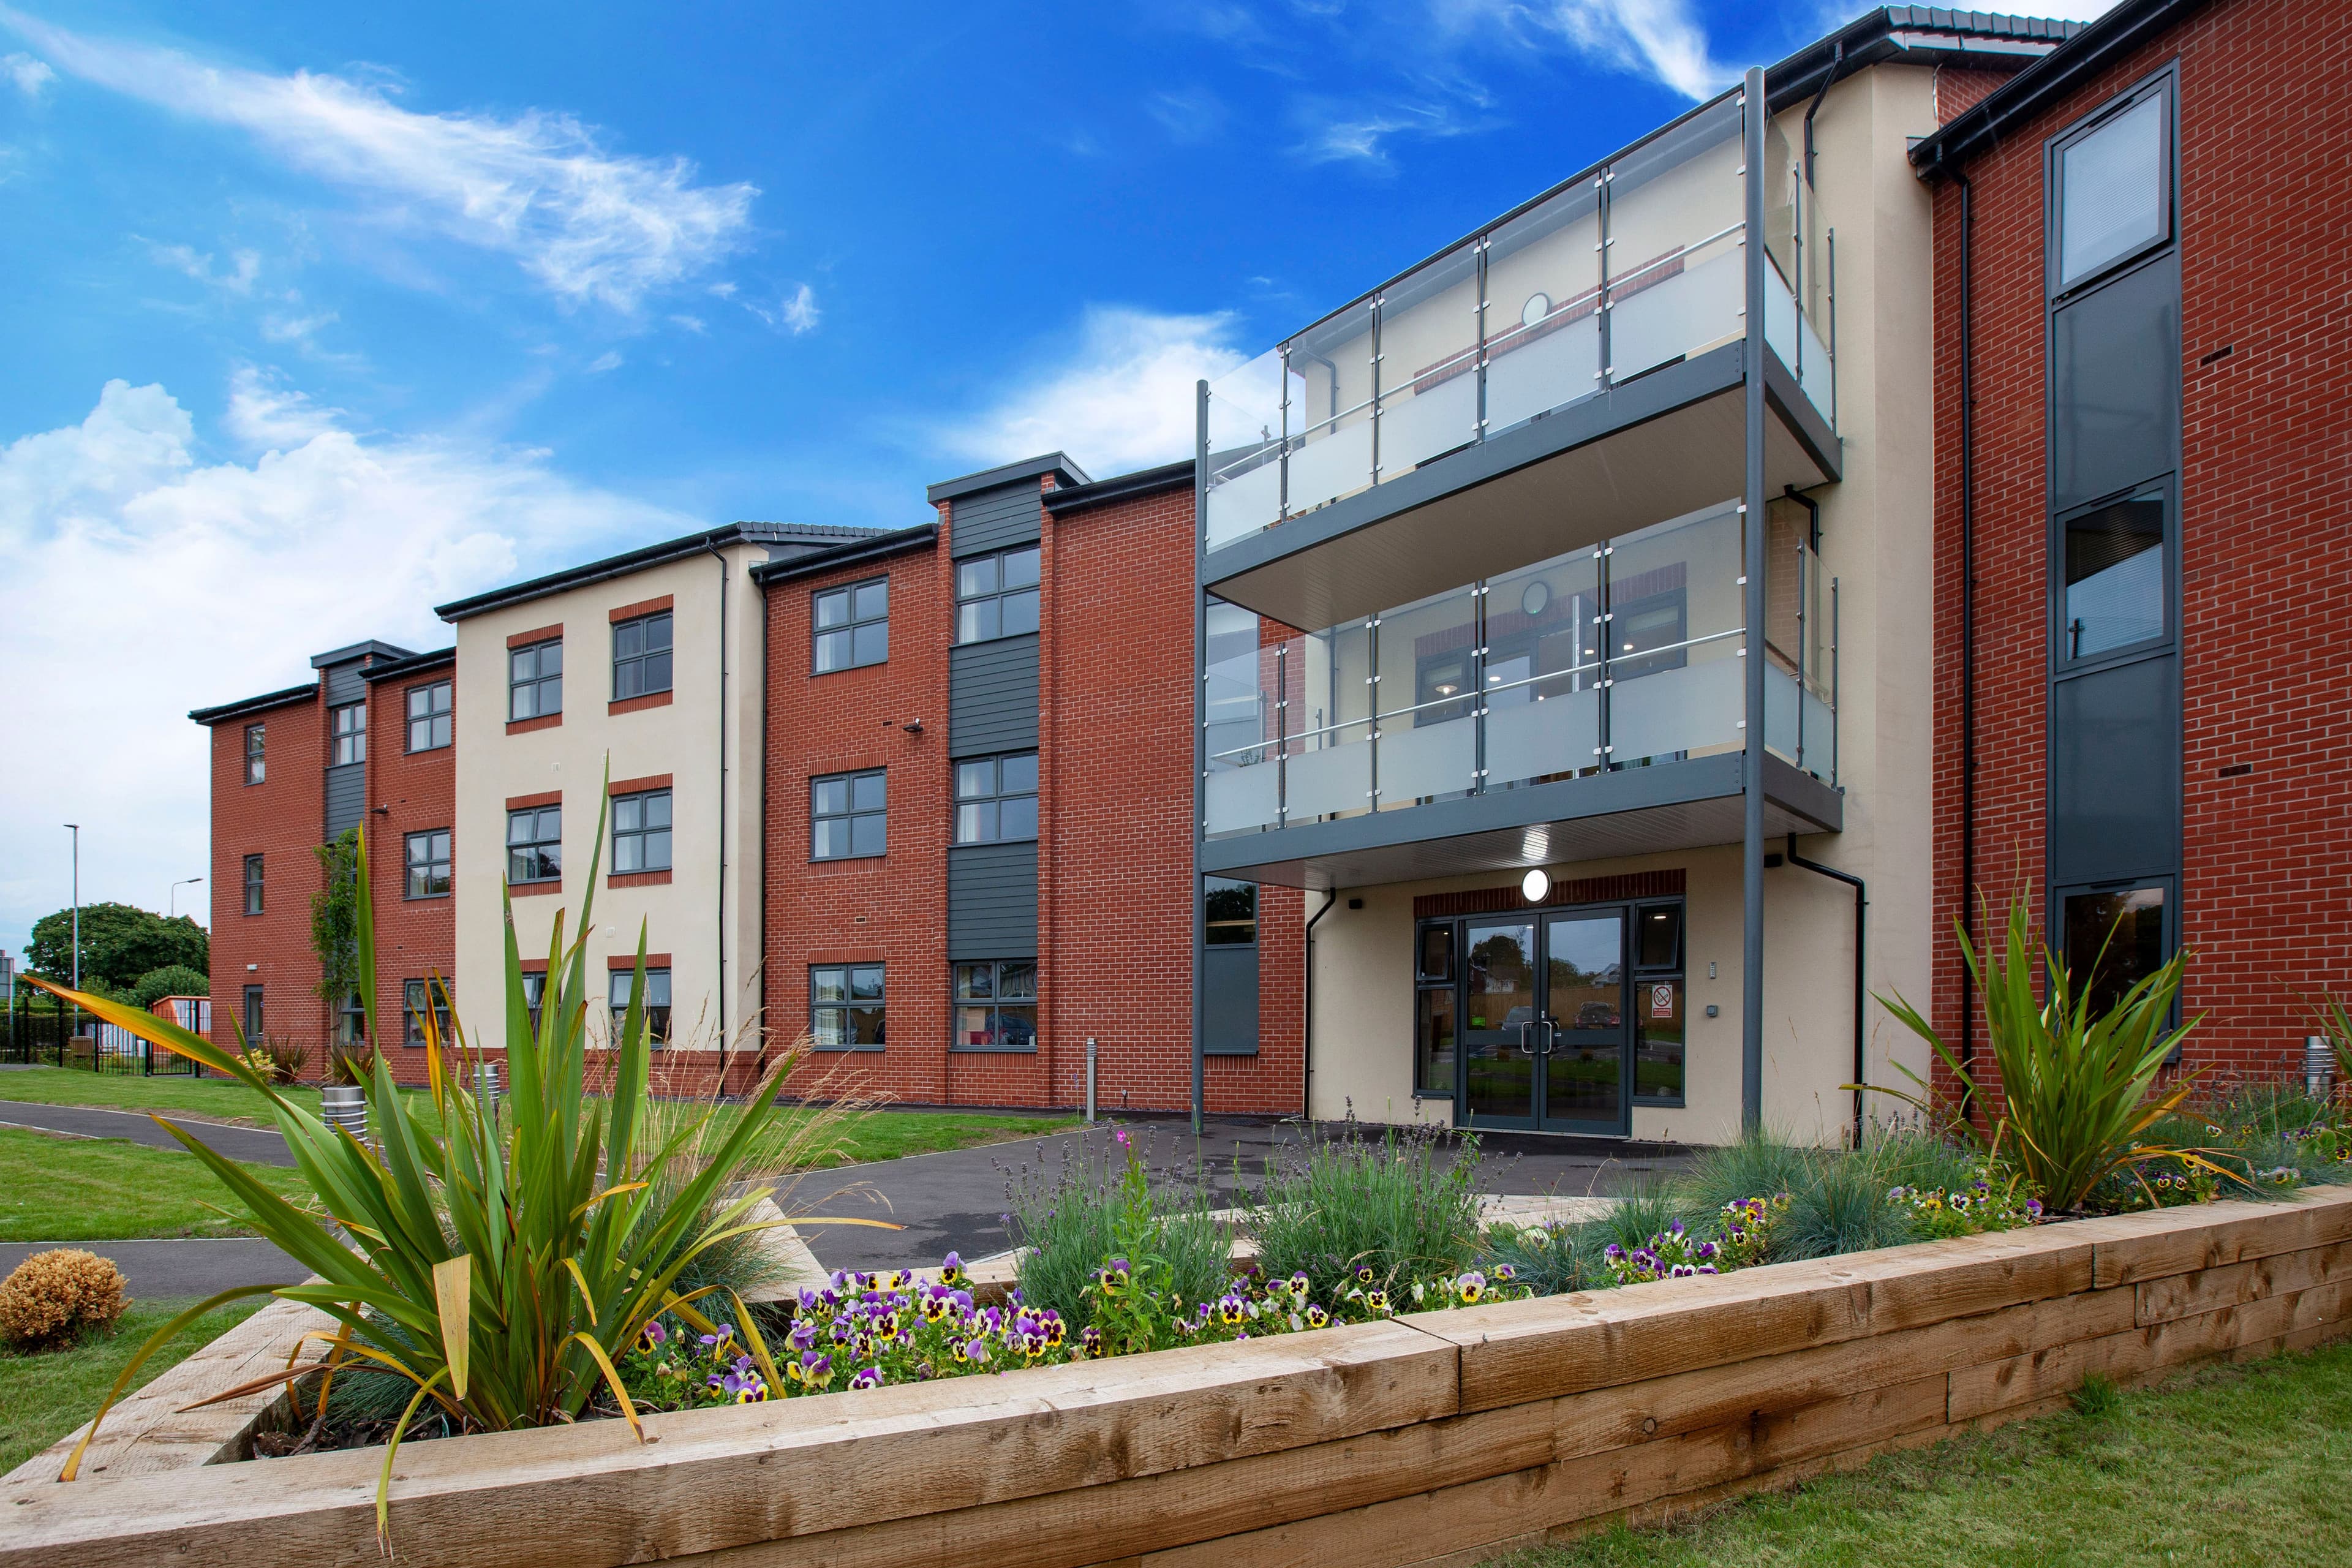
{"x":2046,"y":81}
{"x":391,"y":667}
{"x":1967,"y":617}
{"x":1124,"y":487}
{"x":1306,"y":1015}
{"x":613,"y":566}
{"x":1861,"y":990}
{"x":918,"y":537}
{"x":254,"y":704}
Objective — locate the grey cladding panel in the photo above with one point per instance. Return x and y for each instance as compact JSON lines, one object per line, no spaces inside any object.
{"x":2115,"y":372}
{"x":2114,"y":772}
{"x":1229,"y":1000}
{"x":992,"y":696}
{"x":346,"y":683}
{"x":995,"y":520}
{"x":992,"y":900}
{"x":346,"y":797}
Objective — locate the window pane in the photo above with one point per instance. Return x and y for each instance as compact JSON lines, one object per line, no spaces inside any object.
{"x":975,"y":981}
{"x":829,"y":839}
{"x":870,"y":643}
{"x":522,"y":664}
{"x":831,"y":797}
{"x":628,"y":813}
{"x":2113,"y":182}
{"x":976,"y":577}
{"x":657,"y":632}
{"x":1017,"y":980}
{"x":2114,"y":941}
{"x":627,"y":679}
{"x":866,"y":835}
{"x":1021,"y":568}
{"x":1437,"y":953}
{"x":658,"y":987}
{"x":1018,"y":818}
{"x":657,"y":850}
{"x":657,"y":676}
{"x":976,"y":622}
{"x":1017,"y":774}
{"x":971,"y":1026}
{"x":829,"y":984}
{"x":873,"y":601}
{"x":833,"y":652}
{"x":828,"y":1025}
{"x":440,"y":846}
{"x":617,"y":996}
{"x":1232,"y":912}
{"x":629,"y":640}
{"x":419,"y":702}
{"x":832,"y":609}
{"x":1658,"y":1056}
{"x":551,"y":823}
{"x":1434,"y":1042}
{"x":976,"y":824}
{"x":551,"y":659}
{"x":974,"y":780}
{"x":626,"y":851}
{"x":522,"y":702}
{"x":657,"y":810}
{"x":1658,"y":940}
{"x":866,"y":983}
{"x":1020,"y":614}
{"x":519,"y":827}
{"x":865,"y":1026}
{"x":2114,"y":577}
{"x":866,"y":792}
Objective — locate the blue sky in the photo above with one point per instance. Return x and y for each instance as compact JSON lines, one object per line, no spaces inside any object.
{"x":321,"y":315}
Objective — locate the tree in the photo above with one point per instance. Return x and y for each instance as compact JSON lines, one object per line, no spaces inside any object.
{"x":119,"y":943}
{"x":335,"y":919}
{"x":172,"y":980}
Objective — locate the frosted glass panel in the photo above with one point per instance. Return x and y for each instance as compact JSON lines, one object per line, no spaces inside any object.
{"x":1820,"y":738}
{"x":1693,"y":708}
{"x":1417,"y":426}
{"x":1667,"y":314}
{"x":1429,"y":362}
{"x":1533,"y":740}
{"x":1243,"y":502}
{"x":1816,"y":378}
{"x":1780,"y":317}
{"x":1421,"y":761}
{"x":1331,"y":780}
{"x":1239,"y":798}
{"x":1780,"y":712}
{"x":1540,"y":373}
{"x":1334,"y":464}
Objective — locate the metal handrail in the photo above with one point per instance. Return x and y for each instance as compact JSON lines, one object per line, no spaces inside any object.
{"x":1622,"y":278}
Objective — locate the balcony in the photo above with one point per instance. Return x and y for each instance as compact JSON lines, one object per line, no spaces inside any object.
{"x":1568,"y":373}
{"x":1589,"y":704}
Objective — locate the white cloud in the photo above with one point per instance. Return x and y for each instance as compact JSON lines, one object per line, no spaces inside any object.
{"x":1656,"y":38}
{"x":145,"y":582}
{"x":1124,"y":400}
{"x":1333,"y":138}
{"x":609,"y":360}
{"x":282,"y":327}
{"x":586,"y":223}
{"x":29,"y":74}
{"x":800,"y":312}
{"x":244,"y":267}
{"x":694,"y":324}
{"x":1189,"y":115}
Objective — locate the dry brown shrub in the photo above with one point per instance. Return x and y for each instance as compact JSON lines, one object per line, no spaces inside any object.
{"x":55,"y":1295}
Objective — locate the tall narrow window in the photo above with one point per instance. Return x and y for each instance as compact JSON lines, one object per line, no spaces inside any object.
{"x":347,"y":725}
{"x":534,"y":992}
{"x":1435,"y":1004}
{"x":428,"y":864}
{"x":641,"y":656}
{"x":853,"y":625}
{"x":996,"y":798}
{"x":255,"y":766}
{"x":2114,"y":190}
{"x":429,"y":716}
{"x":656,"y":1002}
{"x":848,"y":816}
{"x":253,"y":1015}
{"x":535,"y":845}
{"x":845,"y":1006}
{"x":996,"y":595}
{"x":641,"y":832}
{"x":1659,"y":1044}
{"x":2114,"y":593}
{"x":535,"y":680}
{"x":996,"y":1005}
{"x":253,"y":884}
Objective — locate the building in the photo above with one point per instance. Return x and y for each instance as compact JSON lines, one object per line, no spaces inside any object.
{"x":1553,"y":592}
{"x":2143,"y":557}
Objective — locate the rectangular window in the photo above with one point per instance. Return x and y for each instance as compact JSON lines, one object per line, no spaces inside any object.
{"x":996,"y":1005}
{"x":253,"y":884}
{"x":2115,"y":576}
{"x":428,"y":716}
{"x":641,"y":832}
{"x":252,"y":1014}
{"x":1436,"y":1023}
{"x":996,"y":798}
{"x":535,"y":845}
{"x":641,"y":656}
{"x":347,"y":725}
{"x":2114,"y":189}
{"x":428,"y":864}
{"x":420,"y":1000}
{"x":2115,"y":939}
{"x":656,"y":1001}
{"x":845,"y":1006}
{"x":1659,"y":998}
{"x":853,"y":625}
{"x":534,"y":991}
{"x":848,"y":817}
{"x":350,"y":1021}
{"x":1232,"y":912}
{"x":535,"y":680}
{"x":255,"y":738}
{"x":996,"y":595}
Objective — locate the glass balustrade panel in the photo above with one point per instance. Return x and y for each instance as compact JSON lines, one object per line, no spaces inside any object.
{"x":1329,"y":374}
{"x":1244,"y":442}
{"x":1429,"y":362}
{"x":1428,"y":701}
{"x":1543,"y":298}
{"x":1673,"y":639}
{"x":1675,"y":207}
{"x":1241,"y":790}
{"x":1327,"y":744}
{"x":1542,"y":677}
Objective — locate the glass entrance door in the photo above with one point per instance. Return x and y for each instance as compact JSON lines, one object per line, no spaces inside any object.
{"x":1501,"y":1023}
{"x":1544,"y":1041}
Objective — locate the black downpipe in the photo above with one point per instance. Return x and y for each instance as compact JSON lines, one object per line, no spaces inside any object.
{"x":720,"y":556}
{"x":1837,"y":64}
{"x":1861,"y":992}
{"x":1968,"y":617}
{"x":1306,"y":1015}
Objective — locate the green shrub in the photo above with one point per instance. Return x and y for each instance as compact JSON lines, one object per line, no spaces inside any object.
{"x":171,"y":980}
{"x":1067,"y":1220}
{"x":1335,"y":1206}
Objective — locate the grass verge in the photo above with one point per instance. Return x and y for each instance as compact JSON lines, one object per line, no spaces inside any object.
{"x":89,"y":1189}
{"x":213,"y":1098}
{"x":893,"y":1134}
{"x":44,"y":1395}
{"x":2227,"y":1464}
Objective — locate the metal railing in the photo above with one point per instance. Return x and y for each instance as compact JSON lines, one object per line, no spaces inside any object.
{"x":66,"y":1037}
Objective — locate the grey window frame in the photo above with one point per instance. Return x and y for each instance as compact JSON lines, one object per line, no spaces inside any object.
{"x":659,"y":1017}
{"x":410,"y":864}
{"x":2161,"y":86}
{"x":253,"y":1014}
{"x":433,"y":998}
{"x":2063,"y":662}
{"x":847,"y":631}
{"x":643,"y":834}
{"x":342,"y":737}
{"x":996,"y":797}
{"x":2166,"y":882}
{"x":852,"y":815}
{"x":643,"y":659}
{"x":1675,"y":973}
{"x":256,"y":753}
{"x":1208,"y":924}
{"x":1448,"y":985}
{"x":534,"y":996}
{"x":538,"y":682}
{"x":538,"y":815}
{"x":993,"y":597}
{"x":996,"y":1002}
{"x":848,"y":1003}
{"x":440,"y":724}
{"x":256,"y":885}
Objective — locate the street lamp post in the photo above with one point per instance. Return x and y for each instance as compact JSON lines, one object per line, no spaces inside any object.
{"x":76,"y":828}
{"x":173,"y":900}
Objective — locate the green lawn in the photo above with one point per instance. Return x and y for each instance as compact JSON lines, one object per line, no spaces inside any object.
{"x":213,"y":1098}
{"x":2228,"y":1465}
{"x":891,"y":1134}
{"x":84,"y":1189}
{"x":45,"y":1394}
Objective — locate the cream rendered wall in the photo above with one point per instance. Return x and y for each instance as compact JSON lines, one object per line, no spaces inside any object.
{"x":682,"y":738}
{"x":1876,"y":538}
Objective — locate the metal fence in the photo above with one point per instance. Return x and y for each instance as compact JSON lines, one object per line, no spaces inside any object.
{"x":66,"y":1037}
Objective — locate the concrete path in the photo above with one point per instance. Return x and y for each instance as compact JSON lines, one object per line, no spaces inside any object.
{"x":189,"y":1267}
{"x":254,"y":1145}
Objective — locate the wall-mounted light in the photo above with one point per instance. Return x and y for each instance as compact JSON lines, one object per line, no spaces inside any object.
{"x":1535,"y":885}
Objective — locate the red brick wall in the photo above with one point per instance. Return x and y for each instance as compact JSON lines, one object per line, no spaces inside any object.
{"x":279,"y":819}
{"x":2265,"y":199}
{"x":414,"y":938}
{"x":1958,"y":89}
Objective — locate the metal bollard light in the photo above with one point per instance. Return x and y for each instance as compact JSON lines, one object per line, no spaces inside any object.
{"x":2318,"y":1067}
{"x":1090,"y":1078}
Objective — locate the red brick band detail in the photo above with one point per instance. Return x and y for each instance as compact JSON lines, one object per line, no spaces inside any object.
{"x":644,"y":607}
{"x":534,"y":965}
{"x":1589,"y":890}
{"x":631,"y":704}
{"x":533,"y":889}
{"x":629,"y":960}
{"x":637,"y":879}
{"x":635,"y":786}
{"x":525,"y":802}
{"x":525,"y":726}
{"x":539,"y":634}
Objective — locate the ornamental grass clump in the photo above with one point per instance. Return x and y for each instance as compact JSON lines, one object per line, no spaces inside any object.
{"x":1342,"y":1204}
{"x":1070,"y":1218}
{"x":494,"y":1259}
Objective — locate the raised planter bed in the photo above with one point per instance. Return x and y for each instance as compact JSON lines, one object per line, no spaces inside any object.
{"x":1440,"y":1435}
